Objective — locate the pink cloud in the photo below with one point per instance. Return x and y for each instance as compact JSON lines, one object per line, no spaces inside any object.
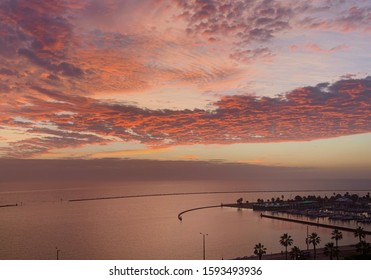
{"x":249,"y":56}
{"x":60,"y":56}
{"x":317,"y":49}
{"x":293,"y":48}
{"x":347,"y":19}
{"x":322,"y":111}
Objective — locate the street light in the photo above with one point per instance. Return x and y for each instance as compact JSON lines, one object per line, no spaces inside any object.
{"x":57,"y":252}
{"x":307,"y":239}
{"x":203,"y":244}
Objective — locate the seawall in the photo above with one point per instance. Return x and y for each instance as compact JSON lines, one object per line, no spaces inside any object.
{"x":312,"y":223}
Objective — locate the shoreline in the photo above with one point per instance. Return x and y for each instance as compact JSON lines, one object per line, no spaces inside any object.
{"x":344,"y":252}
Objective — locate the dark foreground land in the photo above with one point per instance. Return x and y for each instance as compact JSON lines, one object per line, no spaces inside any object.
{"x":347,"y":252}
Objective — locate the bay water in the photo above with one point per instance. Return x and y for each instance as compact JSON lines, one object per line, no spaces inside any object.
{"x":147,"y":227}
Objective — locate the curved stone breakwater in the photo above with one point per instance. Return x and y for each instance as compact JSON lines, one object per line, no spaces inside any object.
{"x":232,"y":205}
{"x":198,"y":208}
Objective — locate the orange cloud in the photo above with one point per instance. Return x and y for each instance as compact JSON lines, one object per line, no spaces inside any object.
{"x":123,"y":153}
{"x":190,"y":157}
{"x":59,"y":57}
{"x":254,"y":161}
{"x":322,"y":111}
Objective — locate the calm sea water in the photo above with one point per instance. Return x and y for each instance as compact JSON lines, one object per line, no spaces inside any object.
{"x":145,"y":227}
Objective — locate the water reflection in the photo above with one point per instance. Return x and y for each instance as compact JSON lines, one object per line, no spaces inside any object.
{"x":142,"y":228}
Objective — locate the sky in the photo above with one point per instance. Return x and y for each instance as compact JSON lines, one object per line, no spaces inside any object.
{"x":277,"y":83}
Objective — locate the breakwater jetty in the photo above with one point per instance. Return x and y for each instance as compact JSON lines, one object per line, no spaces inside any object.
{"x":232,"y":205}
{"x":311,"y":223}
{"x":197,"y":193}
{"x":9,"y":205}
{"x":148,"y":195}
{"x":161,"y":194}
{"x":198,"y":208}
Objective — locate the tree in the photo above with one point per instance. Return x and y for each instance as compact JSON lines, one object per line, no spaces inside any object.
{"x":363,"y":247}
{"x":315,"y":240}
{"x":298,"y":198}
{"x":295,"y":253}
{"x":360,"y":233}
{"x":286,"y":241}
{"x":260,"y":250}
{"x":330,"y":250}
{"x":337,"y":235}
{"x":354,"y":197}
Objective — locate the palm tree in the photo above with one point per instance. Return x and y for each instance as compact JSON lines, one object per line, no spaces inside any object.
{"x":337,"y":235}
{"x":295,"y":252}
{"x":363,"y":247}
{"x":315,"y":240}
{"x":360,"y":233}
{"x":260,"y":250}
{"x":330,"y":250}
{"x":286,"y":241}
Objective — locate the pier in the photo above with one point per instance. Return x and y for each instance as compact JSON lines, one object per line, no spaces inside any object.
{"x":247,"y":205}
{"x":312,"y":223}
